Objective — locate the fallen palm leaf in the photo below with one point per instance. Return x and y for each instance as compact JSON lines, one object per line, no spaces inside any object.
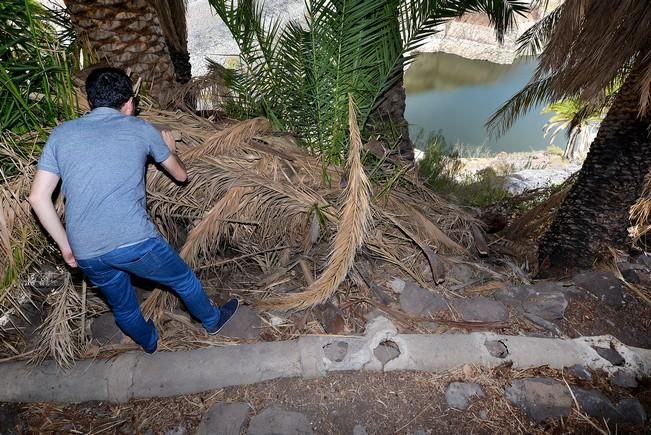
{"x":353,"y":230}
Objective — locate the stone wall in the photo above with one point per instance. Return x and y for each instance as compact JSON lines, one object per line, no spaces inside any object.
{"x":472,"y":37}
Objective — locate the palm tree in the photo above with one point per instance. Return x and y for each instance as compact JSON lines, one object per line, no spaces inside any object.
{"x":148,"y":37}
{"x":589,"y":47}
{"x":580,"y":122}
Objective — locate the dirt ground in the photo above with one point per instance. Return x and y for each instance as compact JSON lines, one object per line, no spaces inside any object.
{"x":631,"y":324}
{"x":388,"y":403}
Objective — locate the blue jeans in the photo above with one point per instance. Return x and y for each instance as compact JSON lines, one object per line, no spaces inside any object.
{"x":153,"y":259}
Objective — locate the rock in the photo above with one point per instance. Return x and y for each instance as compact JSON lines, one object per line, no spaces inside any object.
{"x":544,"y":323}
{"x":631,"y":411}
{"x":548,"y":306}
{"x":631,"y":275}
{"x":105,"y":331}
{"x":460,"y":272}
{"x":47,"y":277}
{"x":336,"y":351}
{"x":580,"y":372}
{"x":416,"y":301}
{"x":611,"y":355}
{"x":636,"y":274}
{"x":481,"y":309}
{"x":594,"y":403}
{"x":546,"y":300}
{"x":529,"y":179}
{"x":386,"y":351}
{"x":420,"y":432}
{"x":277,"y":421}
{"x":397,"y":285}
{"x":8,"y":412}
{"x":604,"y":285}
{"x":224,"y":419}
{"x":541,"y":398}
{"x":644,"y":260}
{"x":178,"y":430}
{"x":458,"y":394}
{"x":360,"y":429}
{"x":624,"y":378}
{"x":244,"y":324}
{"x":331,"y":318}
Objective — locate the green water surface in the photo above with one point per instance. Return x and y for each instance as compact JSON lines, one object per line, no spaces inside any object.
{"x":456,"y":96}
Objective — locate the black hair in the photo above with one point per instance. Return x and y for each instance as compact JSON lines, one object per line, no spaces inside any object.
{"x":108,"y":87}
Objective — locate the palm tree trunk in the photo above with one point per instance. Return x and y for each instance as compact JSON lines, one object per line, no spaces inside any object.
{"x":595,"y":212}
{"x":127,"y":34}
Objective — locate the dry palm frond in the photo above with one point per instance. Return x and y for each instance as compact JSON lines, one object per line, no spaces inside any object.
{"x":592,"y":42}
{"x":21,"y":240}
{"x":640,"y":215}
{"x":229,"y":140}
{"x":353,"y":230}
{"x":61,"y":335}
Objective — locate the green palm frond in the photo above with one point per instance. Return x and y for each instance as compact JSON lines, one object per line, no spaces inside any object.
{"x":35,"y":84}
{"x":534,"y":93}
{"x":533,"y":40}
{"x":300,"y":74}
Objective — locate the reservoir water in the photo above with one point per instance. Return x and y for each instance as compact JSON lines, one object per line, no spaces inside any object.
{"x":455,"y":96}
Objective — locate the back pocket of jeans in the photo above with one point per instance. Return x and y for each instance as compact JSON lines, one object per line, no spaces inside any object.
{"x":143,"y":266}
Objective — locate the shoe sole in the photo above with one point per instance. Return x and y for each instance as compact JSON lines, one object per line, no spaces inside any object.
{"x":226,"y":322}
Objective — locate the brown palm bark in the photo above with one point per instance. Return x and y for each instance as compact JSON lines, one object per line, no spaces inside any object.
{"x":595,"y":213}
{"x":127,"y":34}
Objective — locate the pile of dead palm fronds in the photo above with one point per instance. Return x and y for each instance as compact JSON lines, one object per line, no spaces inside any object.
{"x":21,"y":241}
{"x":256,"y":193}
{"x":259,"y":204}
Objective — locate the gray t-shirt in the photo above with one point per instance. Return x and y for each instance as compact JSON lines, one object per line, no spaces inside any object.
{"x":101,"y":160}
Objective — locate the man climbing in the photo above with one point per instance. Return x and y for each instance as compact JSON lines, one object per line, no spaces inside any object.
{"x":101,"y":159}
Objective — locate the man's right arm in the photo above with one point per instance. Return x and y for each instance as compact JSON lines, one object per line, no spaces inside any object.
{"x":173,"y":165}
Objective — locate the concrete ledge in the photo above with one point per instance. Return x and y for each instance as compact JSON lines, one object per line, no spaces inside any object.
{"x":138,"y":375}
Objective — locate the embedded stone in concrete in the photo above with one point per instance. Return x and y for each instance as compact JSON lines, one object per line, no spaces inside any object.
{"x":631,"y":411}
{"x":105,"y":330}
{"x":610,"y":354}
{"x":594,"y":403}
{"x":336,"y":351}
{"x":541,"y":398}
{"x":277,"y":421}
{"x":386,"y":351}
{"x":244,"y":324}
{"x":360,"y":429}
{"x":458,"y":394}
{"x":624,"y":378}
{"x":580,"y":372}
{"x":497,"y":348}
{"x":224,"y":419}
{"x":604,"y":285}
{"x":481,"y":309}
{"x":416,"y":301}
